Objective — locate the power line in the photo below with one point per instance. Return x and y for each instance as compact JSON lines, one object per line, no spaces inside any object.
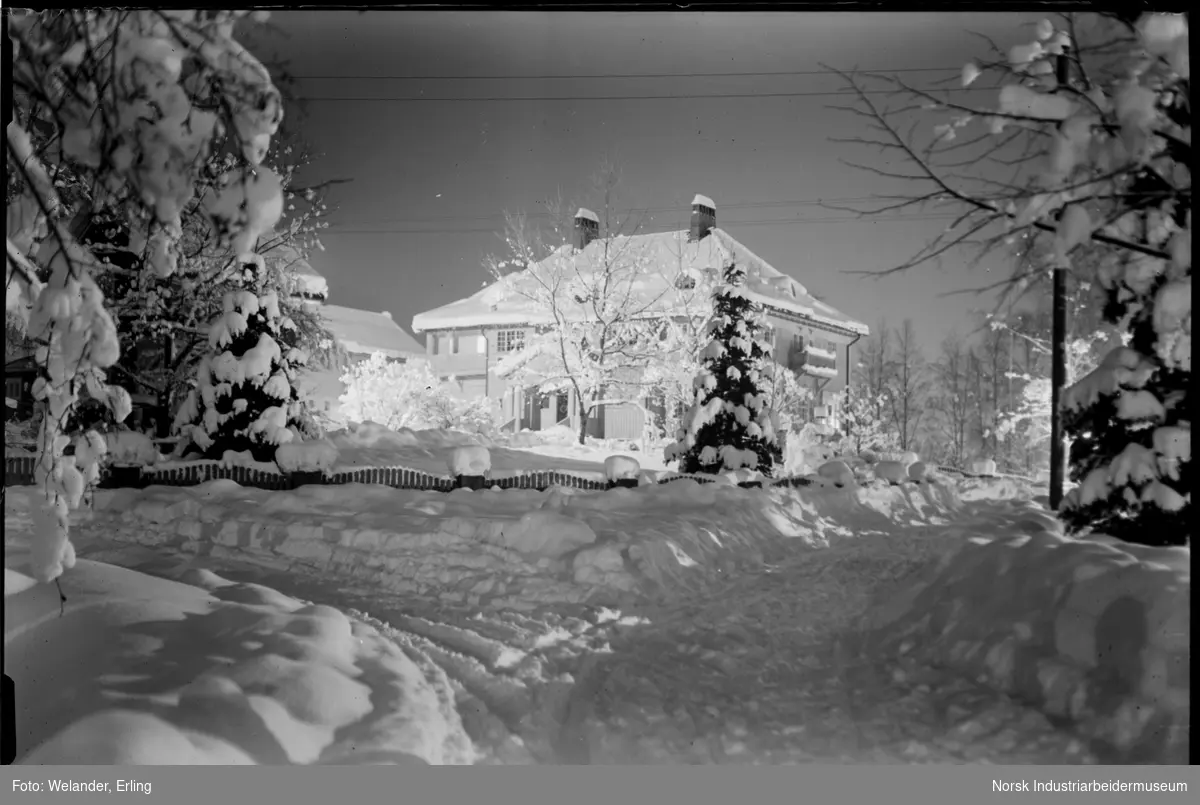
{"x":627,"y":210}
{"x":764,"y":222}
{"x":676,"y":97}
{"x":605,"y":76}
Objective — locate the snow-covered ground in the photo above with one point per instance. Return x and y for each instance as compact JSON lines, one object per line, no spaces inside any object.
{"x":364,"y":624}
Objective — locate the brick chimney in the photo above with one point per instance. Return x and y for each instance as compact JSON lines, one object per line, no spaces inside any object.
{"x":704,"y":217}
{"x":587,"y":227}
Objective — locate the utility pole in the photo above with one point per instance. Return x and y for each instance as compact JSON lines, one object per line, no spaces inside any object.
{"x":1058,"y":355}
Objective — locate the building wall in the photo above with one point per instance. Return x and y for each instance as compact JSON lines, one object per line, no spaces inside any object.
{"x":790,"y":334}
{"x":470,"y":354}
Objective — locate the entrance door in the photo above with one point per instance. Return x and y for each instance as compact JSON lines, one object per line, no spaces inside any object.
{"x":530,"y":409}
{"x":561,"y":407}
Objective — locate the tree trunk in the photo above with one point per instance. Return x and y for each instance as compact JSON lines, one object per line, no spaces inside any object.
{"x":585,"y":413}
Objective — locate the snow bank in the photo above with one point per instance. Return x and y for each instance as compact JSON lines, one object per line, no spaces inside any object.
{"x":1094,"y":632}
{"x":618,"y":468}
{"x":983,"y":466}
{"x":145,"y":671}
{"x":895,"y":472}
{"x":546,"y":532}
{"x":312,"y":456}
{"x":128,"y":448}
{"x":836,"y":472}
{"x":485,"y":548}
{"x":992,"y":488}
{"x":555,"y":435}
{"x":472,"y":460}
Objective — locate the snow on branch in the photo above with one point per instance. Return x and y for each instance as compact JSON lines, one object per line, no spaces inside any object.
{"x":133,"y":103}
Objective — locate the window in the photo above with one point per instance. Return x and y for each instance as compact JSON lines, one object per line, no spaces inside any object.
{"x":481,"y":344}
{"x":685,"y":282}
{"x":797,"y":342}
{"x":433,"y":343}
{"x":453,"y":343}
{"x":510,"y":340}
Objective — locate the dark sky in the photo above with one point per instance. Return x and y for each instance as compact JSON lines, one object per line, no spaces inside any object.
{"x":432,"y":178}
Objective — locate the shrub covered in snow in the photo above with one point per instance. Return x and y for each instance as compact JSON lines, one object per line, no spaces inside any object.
{"x":410,"y":395}
{"x":318,"y":455}
{"x":245,"y":397}
{"x":729,"y":426}
{"x":808,"y":448}
{"x":859,"y":426}
{"x":129,"y":448}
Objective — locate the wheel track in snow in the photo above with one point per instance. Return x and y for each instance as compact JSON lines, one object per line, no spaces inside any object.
{"x":579,"y":684}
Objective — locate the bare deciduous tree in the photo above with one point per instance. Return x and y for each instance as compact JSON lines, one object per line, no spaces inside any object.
{"x":952,"y":399}
{"x":602,"y":316}
{"x":906,"y":389}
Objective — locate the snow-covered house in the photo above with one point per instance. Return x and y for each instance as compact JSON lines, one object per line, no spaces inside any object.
{"x":359,"y":333}
{"x":466,"y":338}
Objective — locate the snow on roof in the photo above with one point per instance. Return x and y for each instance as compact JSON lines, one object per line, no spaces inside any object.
{"x":673,"y":253}
{"x":365,"y":332}
{"x":588,"y":214}
{"x":703,"y":201}
{"x":306,"y":278}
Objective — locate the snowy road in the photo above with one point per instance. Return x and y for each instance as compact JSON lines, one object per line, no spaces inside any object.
{"x":734,"y":670}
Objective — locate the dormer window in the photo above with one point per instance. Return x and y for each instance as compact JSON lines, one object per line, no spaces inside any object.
{"x":685,"y":282}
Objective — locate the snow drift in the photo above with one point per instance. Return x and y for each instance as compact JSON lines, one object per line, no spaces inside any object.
{"x":213,"y":673}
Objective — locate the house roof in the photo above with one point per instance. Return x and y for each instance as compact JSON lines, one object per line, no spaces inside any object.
{"x":500,"y":303}
{"x":306,"y":278}
{"x":358,"y":331}
{"x":20,"y":365}
{"x":365,"y":332}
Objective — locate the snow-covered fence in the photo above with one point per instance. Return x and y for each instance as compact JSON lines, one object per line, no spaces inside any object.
{"x":395,"y":477}
{"x":18,"y":471}
{"x":966,"y":474}
{"x":702,"y":479}
{"x":545,"y":480}
{"x":198,"y":473}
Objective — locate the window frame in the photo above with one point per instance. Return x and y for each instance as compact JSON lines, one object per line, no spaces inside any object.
{"x":510,"y":340}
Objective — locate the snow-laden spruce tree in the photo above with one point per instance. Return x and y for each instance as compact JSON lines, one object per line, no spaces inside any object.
{"x":134,"y":101}
{"x":1130,"y":418}
{"x":1096,"y":111}
{"x":245,"y":397}
{"x":729,"y":426}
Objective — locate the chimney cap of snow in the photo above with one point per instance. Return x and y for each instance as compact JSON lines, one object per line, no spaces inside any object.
{"x":703,"y":201}
{"x":587,"y":215}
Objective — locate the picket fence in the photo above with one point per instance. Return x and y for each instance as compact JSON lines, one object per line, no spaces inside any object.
{"x":18,"y":471}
